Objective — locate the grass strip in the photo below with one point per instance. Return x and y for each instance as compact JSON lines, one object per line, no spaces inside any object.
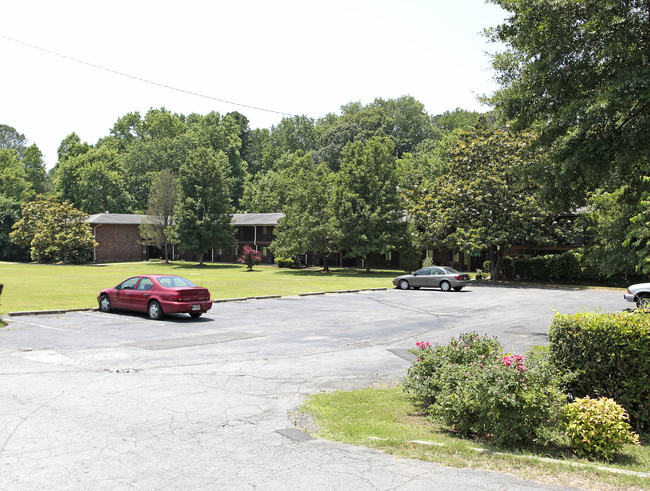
{"x":388,"y":420}
{"x":51,"y":287}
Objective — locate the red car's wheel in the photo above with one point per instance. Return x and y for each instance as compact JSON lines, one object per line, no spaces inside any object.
{"x":105,"y":304}
{"x":154,"y":310}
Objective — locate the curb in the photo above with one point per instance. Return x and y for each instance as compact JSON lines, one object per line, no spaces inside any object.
{"x":220,"y":300}
{"x":44,"y":312}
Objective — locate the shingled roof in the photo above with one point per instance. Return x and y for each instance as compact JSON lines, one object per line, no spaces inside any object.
{"x":251,"y":219}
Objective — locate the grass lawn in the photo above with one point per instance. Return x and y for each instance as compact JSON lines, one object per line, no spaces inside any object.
{"x":388,"y":420}
{"x":47,"y":286}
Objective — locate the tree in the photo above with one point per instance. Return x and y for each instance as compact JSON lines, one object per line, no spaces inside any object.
{"x":10,"y":139}
{"x":606,"y":221}
{"x":159,"y":226}
{"x":35,"y":171}
{"x":204,"y":207}
{"x":94,"y":181}
{"x":403,"y":120}
{"x":310,"y":223}
{"x":366,"y":196}
{"x":577,"y":71}
{"x":13,"y":179}
{"x":53,"y":228}
{"x":250,"y":257}
{"x":484,"y":201}
{"x":71,"y":146}
{"x":10,"y":214}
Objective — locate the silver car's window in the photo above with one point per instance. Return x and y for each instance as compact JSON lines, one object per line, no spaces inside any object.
{"x":450,"y":271}
{"x":437,"y":271}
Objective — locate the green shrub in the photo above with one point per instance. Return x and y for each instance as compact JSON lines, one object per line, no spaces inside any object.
{"x":606,"y":355}
{"x":597,"y":427}
{"x":411,"y":256}
{"x":53,"y":255}
{"x":507,"y":269}
{"x":422,"y":377}
{"x":286,"y":262}
{"x":427,"y":262}
{"x":515,"y":402}
{"x":469,"y":385}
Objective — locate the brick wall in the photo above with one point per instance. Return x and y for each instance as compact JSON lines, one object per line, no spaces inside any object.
{"x":117,"y":243}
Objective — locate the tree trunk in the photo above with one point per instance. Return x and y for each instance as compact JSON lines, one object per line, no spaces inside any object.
{"x":166,"y":252}
{"x":496,"y":258}
{"x":324,"y":257}
{"x":201,"y":258}
{"x":365,"y":260}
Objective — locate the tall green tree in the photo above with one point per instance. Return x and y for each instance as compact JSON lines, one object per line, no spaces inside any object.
{"x":35,"y":170}
{"x":203,"y":214}
{"x":606,"y":222}
{"x":14,"y":183}
{"x":484,"y":202}
{"x":366,"y":195}
{"x":577,"y":71}
{"x":310,"y":223}
{"x":10,"y":214}
{"x":10,"y":139}
{"x":159,"y":227}
{"x":53,"y":228}
{"x":93,"y":181}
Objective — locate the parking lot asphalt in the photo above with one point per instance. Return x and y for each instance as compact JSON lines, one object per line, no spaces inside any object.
{"x":108,"y":401}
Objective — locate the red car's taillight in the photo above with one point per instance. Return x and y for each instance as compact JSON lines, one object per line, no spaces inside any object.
{"x":174,"y":298}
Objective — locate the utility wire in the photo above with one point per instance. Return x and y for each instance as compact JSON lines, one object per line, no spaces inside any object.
{"x":139,"y":79}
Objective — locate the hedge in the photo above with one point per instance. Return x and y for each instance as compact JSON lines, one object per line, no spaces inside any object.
{"x":606,"y":355}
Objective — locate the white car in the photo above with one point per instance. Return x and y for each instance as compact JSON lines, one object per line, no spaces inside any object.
{"x":639,"y":294}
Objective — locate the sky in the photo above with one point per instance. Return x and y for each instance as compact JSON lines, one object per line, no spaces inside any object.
{"x":264,"y":58}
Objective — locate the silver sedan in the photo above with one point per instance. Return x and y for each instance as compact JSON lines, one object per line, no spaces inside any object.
{"x":441,"y":277}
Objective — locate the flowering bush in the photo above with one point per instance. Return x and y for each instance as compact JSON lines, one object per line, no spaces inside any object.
{"x":516,"y":360}
{"x":468,"y":385}
{"x":422,"y":378}
{"x":250,"y":257}
{"x":597,"y":427}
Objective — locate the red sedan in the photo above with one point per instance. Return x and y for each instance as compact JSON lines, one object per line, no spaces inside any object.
{"x":157,"y":295}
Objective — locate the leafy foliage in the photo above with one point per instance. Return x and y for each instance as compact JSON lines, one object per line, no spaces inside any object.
{"x":606,"y":355}
{"x":310,"y":223}
{"x":484,"y":201}
{"x":577,"y":71}
{"x":597,"y":427}
{"x":368,"y":206}
{"x":55,"y":231}
{"x":159,"y":228}
{"x":470,"y":386}
{"x":203,"y":211}
{"x":423,"y":376}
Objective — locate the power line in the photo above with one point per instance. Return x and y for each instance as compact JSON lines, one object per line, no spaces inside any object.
{"x":139,"y":79}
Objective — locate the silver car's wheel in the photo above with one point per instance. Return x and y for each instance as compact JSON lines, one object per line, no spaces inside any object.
{"x":445,"y":286}
{"x":403,"y":285}
{"x":105,"y":304}
{"x":643,"y":303}
{"x":155,"y":310}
